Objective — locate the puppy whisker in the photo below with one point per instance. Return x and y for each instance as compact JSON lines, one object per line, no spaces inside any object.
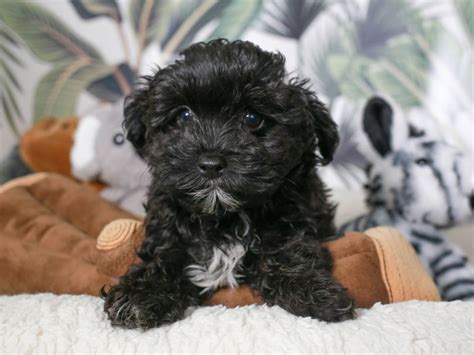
{"x":211,"y":197}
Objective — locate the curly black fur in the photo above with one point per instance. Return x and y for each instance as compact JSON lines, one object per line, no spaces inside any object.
{"x":271,"y":207}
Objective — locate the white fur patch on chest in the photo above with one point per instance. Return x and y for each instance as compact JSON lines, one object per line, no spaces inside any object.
{"x":220,"y":270}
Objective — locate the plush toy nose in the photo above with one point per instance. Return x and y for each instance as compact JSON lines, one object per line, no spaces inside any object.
{"x":211,"y":166}
{"x":472,"y":201}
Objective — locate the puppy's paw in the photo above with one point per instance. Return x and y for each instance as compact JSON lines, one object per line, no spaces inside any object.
{"x":337,"y":308}
{"x":126,"y":311}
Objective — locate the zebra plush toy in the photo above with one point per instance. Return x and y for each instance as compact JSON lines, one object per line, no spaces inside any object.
{"x":418,"y":186}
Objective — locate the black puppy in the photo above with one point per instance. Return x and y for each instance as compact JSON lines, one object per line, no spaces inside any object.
{"x":232,"y":146}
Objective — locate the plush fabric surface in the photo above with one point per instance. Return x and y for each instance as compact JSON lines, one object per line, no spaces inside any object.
{"x":46,"y":323}
{"x":48,"y":226}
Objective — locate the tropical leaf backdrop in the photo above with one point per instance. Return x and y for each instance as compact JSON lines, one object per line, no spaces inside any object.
{"x":59,"y":58}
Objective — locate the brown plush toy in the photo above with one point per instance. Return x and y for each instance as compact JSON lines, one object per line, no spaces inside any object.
{"x":376,"y":266}
{"x":48,"y":243}
{"x":45,"y":146}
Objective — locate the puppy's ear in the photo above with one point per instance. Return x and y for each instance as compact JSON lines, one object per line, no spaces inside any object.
{"x":326,"y":131}
{"x":134,"y":114}
{"x":377,"y":123}
{"x":323,"y":125}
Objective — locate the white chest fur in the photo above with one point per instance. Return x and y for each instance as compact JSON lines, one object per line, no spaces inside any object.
{"x":220,"y":270}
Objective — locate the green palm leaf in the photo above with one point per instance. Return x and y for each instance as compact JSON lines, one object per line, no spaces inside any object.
{"x":351,"y":74}
{"x":8,"y":75}
{"x":290,"y":18}
{"x":452,"y":56}
{"x":403,"y":70}
{"x":235,"y":18}
{"x":149,"y":19}
{"x":402,"y":73}
{"x":58,"y":91}
{"x":7,"y":53}
{"x":189,"y":17}
{"x":317,"y":67}
{"x":465,"y":9}
{"x":47,"y":36}
{"x":10,"y":109}
{"x":348,"y":162}
{"x":9,"y":106}
{"x":390,"y":44}
{"x":88,"y":9}
{"x":384,"y":20}
{"x":12,"y":103}
{"x":115,"y":85}
{"x":7,"y":35}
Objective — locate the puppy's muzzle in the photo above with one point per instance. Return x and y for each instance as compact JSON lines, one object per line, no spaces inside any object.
{"x":211,"y":166}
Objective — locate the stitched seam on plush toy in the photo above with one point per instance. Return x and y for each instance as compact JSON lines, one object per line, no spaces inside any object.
{"x":385,"y":276}
{"x":398,"y":270}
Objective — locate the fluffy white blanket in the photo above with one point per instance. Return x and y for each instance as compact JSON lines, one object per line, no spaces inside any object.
{"x":76,"y":324}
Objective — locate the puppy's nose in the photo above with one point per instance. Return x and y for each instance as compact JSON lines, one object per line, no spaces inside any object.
{"x":211,"y":166}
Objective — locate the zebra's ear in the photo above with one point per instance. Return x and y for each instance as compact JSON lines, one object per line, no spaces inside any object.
{"x":378,"y":124}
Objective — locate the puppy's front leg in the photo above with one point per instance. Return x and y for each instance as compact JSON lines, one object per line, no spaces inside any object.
{"x":297,"y":278}
{"x":149,"y":296}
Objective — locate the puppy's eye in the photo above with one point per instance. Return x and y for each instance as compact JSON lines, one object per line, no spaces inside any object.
{"x":253,"y":121}
{"x":184,"y":115}
{"x":423,"y":161}
{"x":119,"y":139}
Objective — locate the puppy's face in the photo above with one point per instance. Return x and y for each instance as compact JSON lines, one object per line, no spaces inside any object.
{"x":221,"y":129}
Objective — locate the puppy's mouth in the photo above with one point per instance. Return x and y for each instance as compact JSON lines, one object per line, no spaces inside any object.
{"x":213,"y":198}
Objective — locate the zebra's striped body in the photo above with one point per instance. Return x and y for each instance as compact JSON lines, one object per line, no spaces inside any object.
{"x":419,"y":186}
{"x":447,"y":263}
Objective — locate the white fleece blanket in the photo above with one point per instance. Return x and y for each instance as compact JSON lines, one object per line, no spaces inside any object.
{"x":76,"y":324}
